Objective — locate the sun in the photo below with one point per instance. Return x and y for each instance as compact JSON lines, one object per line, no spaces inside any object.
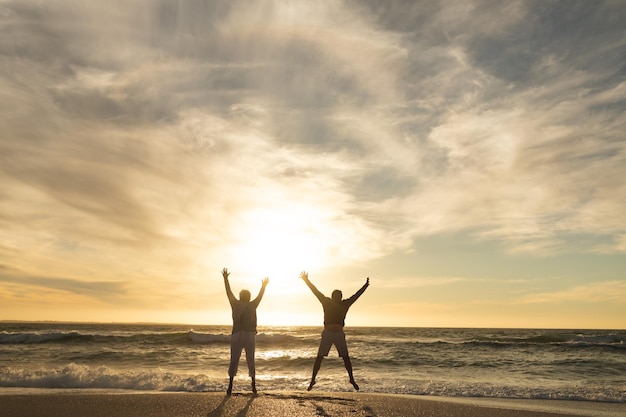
{"x":279,"y":243}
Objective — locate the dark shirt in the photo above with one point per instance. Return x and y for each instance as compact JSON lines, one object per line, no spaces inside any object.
{"x":244,"y":312}
{"x":244,"y":315}
{"x":335,"y":311}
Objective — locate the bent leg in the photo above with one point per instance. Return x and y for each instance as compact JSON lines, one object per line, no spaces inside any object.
{"x":230,"y":386}
{"x":316,"y":367}
{"x":324,"y":348}
{"x":348,"y":364}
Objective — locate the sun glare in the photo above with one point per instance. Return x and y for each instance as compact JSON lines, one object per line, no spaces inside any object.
{"x":279,"y":243}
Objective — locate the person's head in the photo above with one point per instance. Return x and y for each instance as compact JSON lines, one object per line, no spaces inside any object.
{"x":336,"y":295}
{"x":244,"y":295}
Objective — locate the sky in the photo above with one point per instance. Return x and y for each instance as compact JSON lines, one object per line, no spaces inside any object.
{"x":468,"y":157}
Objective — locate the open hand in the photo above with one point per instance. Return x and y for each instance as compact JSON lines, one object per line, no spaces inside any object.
{"x":304,"y":276}
{"x":266,"y":281}
{"x":225,"y":273}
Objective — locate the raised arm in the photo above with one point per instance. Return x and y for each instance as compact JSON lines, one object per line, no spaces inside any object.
{"x":360,"y":291}
{"x":258,"y":298}
{"x":305,"y":277}
{"x":229,"y":292}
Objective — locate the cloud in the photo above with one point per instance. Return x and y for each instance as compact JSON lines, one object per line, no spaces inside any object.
{"x":104,"y":290}
{"x":419,"y":282}
{"x":530,"y":164}
{"x":140,"y":137}
{"x":599,"y":292}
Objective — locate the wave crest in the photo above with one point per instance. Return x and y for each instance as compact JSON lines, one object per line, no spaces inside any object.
{"x":36,"y":337}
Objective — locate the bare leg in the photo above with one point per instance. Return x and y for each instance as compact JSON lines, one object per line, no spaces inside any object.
{"x":348,"y":364}
{"x":253,"y":385}
{"x":316,"y":368}
{"x":230,"y":386}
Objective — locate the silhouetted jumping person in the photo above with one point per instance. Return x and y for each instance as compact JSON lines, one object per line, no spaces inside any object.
{"x":244,"y":329}
{"x":335,"y":310}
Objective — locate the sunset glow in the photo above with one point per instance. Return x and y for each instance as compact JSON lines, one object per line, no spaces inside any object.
{"x":468,"y":157}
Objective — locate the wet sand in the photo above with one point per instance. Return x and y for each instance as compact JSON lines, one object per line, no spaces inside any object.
{"x":73,"y":403}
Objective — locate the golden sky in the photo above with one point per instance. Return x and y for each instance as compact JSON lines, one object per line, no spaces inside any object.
{"x":468,"y":157}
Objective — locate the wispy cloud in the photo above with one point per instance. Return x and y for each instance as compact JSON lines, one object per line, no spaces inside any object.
{"x":269,"y":85}
{"x":104,"y":290}
{"x":410,"y":283}
{"x":144,"y":138}
{"x":108,"y":290}
{"x":599,"y":292}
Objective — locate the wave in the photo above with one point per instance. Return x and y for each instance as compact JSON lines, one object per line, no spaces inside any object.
{"x":605,"y":340}
{"x":75,"y":376}
{"x":41,"y":337}
{"x":278,"y":339}
{"x":205,"y":338}
{"x":82,"y":376}
{"x":79,"y":337}
{"x":150,"y":337}
{"x":616,"y":340}
{"x":580,"y":338}
{"x":602,"y":340}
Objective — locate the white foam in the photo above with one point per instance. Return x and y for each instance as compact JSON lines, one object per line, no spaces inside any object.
{"x":208,"y":337}
{"x":82,"y":376}
{"x":35,"y":337}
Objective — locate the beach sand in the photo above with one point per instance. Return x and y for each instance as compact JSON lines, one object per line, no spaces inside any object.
{"x":59,"y":403}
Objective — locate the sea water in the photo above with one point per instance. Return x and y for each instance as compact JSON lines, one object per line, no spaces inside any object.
{"x":585,"y":365}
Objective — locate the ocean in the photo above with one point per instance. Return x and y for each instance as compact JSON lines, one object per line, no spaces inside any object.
{"x":586,"y":365}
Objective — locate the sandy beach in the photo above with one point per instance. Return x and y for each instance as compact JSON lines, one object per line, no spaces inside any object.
{"x":59,"y":403}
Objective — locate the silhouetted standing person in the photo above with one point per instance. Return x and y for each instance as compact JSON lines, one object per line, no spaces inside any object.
{"x":244,"y":329}
{"x":335,"y":310}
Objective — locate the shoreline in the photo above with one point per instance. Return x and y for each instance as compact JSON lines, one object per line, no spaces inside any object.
{"x":19,"y":402}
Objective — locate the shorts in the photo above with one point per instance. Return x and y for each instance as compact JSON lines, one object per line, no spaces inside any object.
{"x":333,"y":338}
